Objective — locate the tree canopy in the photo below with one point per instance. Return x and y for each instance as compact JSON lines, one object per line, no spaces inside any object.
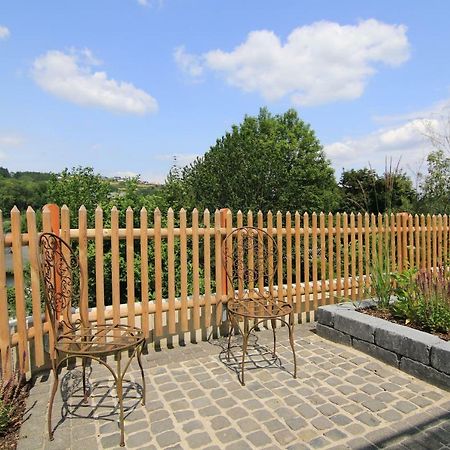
{"x":268,"y":162}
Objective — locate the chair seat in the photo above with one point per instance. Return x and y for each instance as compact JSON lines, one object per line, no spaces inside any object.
{"x":100,"y":340}
{"x":259,"y":308}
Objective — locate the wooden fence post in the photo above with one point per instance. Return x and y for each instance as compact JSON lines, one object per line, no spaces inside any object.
{"x":223,"y":224}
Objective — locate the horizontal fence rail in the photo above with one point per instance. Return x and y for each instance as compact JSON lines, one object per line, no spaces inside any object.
{"x":163,"y":272}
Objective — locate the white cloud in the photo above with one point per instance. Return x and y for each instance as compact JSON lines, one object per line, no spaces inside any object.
{"x":70,"y":76}
{"x":190,"y":64}
{"x":157,"y":3}
{"x":406,"y":141}
{"x":4,"y":32}
{"x":10,"y":140}
{"x":318,"y":63}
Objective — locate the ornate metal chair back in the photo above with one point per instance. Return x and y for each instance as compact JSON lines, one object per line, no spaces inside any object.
{"x":60,"y":274}
{"x":250,"y":259}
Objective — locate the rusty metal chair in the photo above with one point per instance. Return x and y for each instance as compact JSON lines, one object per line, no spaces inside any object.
{"x":250,"y":258}
{"x":62,"y":283}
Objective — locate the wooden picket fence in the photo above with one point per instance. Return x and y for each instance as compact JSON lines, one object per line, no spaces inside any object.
{"x":179,"y":276}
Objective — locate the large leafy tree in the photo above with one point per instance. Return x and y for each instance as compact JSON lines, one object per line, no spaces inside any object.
{"x":435,"y":186}
{"x":268,"y":162}
{"x":363,"y":190}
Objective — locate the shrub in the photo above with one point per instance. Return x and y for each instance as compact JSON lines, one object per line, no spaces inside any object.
{"x":13,"y":392}
{"x":423,"y":298}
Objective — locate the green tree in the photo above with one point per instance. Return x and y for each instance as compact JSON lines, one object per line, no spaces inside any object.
{"x":363,"y":190}
{"x":79,"y":186}
{"x":268,"y":162}
{"x":435,"y":186}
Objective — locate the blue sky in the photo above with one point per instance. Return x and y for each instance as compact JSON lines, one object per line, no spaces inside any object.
{"x":125,"y":85}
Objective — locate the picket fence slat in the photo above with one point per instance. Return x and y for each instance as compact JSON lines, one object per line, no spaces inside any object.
{"x":5,"y":336}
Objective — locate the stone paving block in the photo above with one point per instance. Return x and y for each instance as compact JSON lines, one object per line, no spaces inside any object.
{"x":259,"y":439}
{"x":284,"y":437}
{"x":405,"y":341}
{"x":440,"y":357}
{"x":220,"y":422}
{"x":368,"y":419}
{"x":319,"y":442}
{"x":167,"y":438}
{"x":228,"y":435}
{"x":425,"y":372}
{"x":361,"y":326}
{"x":198,"y":440}
{"x":387,"y":356}
{"x":333,"y":335}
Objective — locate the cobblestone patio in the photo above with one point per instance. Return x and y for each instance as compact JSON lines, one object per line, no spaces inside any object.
{"x":341,"y":399}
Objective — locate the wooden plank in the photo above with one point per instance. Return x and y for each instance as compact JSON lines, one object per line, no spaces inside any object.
{"x":129,"y":219}
{"x":375,"y":236}
{"x":306,"y":233}
{"x":314,"y":261}
{"x":207,"y":266}
{"x":367,"y":230}
{"x":183,"y":269}
{"x":360,"y":257}
{"x":353,"y":255}
{"x":261,"y":244}
{"x":196,"y":271}
{"x":144,"y":272}
{"x":323,"y":264}
{"x":47,"y":228}
{"x":240,"y":255}
{"x":439,"y":240}
{"x":270,"y":250}
{"x":280,"y":255}
{"x":35,"y":286}
{"x":65,"y":235}
{"x":5,"y":338}
{"x":338,"y":257}
{"x":115,"y":265}
{"x":158,"y":274}
{"x":429,"y":243}
{"x":392,"y":237}
{"x":218,"y":266}
{"x":289,"y":257}
{"x":411,"y":240}
{"x":82,"y":256}
{"x":229,"y":228}
{"x":423,"y":240}
{"x":19,"y":287}
{"x":298,"y":276}
{"x":99,"y":269}
{"x":404,"y":222}
{"x":346,"y":252}
{"x":171,"y":271}
{"x":445,"y":241}
{"x":398,"y":226}
{"x":417,"y":246}
{"x":330,"y":259}
{"x":251,"y":263}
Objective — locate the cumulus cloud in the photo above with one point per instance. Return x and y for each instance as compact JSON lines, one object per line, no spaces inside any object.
{"x":4,"y":32}
{"x":318,"y":63}
{"x":71,"y":76}
{"x":407,"y":141}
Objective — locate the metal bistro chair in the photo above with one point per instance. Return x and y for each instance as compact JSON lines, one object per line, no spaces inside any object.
{"x":250,"y":260}
{"x":60,"y":273}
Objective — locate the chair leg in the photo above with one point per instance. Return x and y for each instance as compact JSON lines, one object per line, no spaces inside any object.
{"x":52,"y":398}
{"x":139,"y":352}
{"x":83,"y":363}
{"x":245,"y":335}
{"x":274,"y":326}
{"x":119,"y":389}
{"x":230,"y":329}
{"x":291,"y":340}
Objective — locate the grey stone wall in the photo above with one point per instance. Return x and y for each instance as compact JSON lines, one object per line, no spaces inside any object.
{"x":415,"y":352}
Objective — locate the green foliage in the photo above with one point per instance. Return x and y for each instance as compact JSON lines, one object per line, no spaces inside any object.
{"x":435,"y":187}
{"x":423,"y":299}
{"x":268,"y":162}
{"x":381,"y":279}
{"x":79,"y":186}
{"x":364,"y":190}
{"x":13,"y":393}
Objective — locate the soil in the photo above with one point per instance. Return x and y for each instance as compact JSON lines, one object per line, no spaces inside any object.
{"x":386,"y":315}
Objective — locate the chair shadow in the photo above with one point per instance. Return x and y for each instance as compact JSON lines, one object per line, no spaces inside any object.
{"x":102,"y":401}
{"x":258,"y":356}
